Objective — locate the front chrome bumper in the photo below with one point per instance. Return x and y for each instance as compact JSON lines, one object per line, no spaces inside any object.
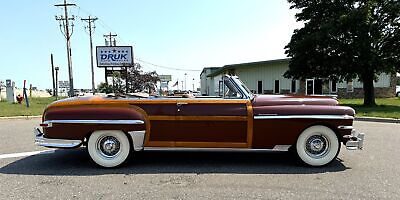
{"x":355,"y":140}
{"x":53,"y":143}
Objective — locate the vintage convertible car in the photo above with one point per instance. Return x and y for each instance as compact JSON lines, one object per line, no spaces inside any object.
{"x":113,"y":127}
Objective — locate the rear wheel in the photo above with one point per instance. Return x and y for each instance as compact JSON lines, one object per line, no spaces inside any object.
{"x":317,"y":145}
{"x":109,"y":148}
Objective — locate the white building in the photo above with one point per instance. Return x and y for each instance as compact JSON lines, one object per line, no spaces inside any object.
{"x":266,"y":77}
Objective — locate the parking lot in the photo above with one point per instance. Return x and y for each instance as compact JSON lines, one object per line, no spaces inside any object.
{"x":69,"y":174}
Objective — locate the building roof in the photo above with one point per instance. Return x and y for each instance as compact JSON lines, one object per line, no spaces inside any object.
{"x":250,"y":64}
{"x":211,"y":68}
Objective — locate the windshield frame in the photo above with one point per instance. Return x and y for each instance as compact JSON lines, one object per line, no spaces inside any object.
{"x":242,"y":87}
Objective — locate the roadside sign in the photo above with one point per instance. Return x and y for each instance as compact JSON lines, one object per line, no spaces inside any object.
{"x":114,"y":56}
{"x":165,"y":78}
{"x":63,"y":84}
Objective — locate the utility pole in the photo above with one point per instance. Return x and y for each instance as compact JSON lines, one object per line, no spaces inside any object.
{"x":91,"y":28}
{"x":52,"y":75}
{"x":56,"y":92}
{"x":109,"y":43}
{"x":64,"y":22}
{"x":110,"y":37}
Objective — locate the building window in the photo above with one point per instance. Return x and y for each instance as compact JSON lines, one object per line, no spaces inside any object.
{"x":318,"y":86}
{"x":350,"y":87}
{"x":276,"y":91}
{"x":259,"y":87}
{"x":333,"y":87}
{"x":293,"y":88}
{"x":309,"y":86}
{"x":220,"y":88}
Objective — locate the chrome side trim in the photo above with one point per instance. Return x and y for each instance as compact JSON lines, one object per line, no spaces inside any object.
{"x":138,"y":139}
{"x":54,"y":143}
{"x":281,"y":147}
{"x":304,"y":117}
{"x":345,"y":127}
{"x":88,"y":121}
{"x":215,"y":149}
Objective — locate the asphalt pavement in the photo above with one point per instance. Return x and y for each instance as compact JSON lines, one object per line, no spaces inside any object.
{"x":373,"y":173}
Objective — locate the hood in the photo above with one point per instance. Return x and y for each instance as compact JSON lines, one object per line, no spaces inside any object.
{"x":298,"y":105}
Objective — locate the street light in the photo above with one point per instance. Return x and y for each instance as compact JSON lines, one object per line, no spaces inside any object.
{"x":193,"y":85}
{"x":56,"y":90}
{"x":185,"y":81}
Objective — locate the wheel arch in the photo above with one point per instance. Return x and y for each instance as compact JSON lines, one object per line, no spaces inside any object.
{"x":133,"y":133}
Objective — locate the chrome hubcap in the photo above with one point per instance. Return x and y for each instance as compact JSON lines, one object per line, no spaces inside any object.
{"x":108,"y":146}
{"x":317,"y":146}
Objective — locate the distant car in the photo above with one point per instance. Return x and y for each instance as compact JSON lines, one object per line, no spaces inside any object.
{"x":397,"y":90}
{"x":112,"y":127}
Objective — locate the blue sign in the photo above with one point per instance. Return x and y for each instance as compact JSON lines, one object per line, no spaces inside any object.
{"x":114,"y":56}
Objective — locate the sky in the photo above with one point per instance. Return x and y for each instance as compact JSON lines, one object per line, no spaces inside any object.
{"x":181,"y":34}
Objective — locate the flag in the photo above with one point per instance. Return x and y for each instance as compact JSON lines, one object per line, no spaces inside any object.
{"x":176,"y":83}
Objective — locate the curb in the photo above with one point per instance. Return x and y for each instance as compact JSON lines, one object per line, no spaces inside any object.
{"x":377,"y":119}
{"x":22,"y":117}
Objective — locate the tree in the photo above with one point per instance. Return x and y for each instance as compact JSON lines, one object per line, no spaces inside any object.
{"x":104,"y":88}
{"x":346,"y":39}
{"x":118,"y":83}
{"x":138,"y":81}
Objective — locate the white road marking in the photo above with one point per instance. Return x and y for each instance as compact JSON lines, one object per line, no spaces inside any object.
{"x":24,"y":154}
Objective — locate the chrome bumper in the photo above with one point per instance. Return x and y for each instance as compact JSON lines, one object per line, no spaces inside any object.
{"x":53,"y":143}
{"x":355,"y":140}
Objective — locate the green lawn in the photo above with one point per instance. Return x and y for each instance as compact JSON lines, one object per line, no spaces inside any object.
{"x":37,"y":106}
{"x":387,"y":107}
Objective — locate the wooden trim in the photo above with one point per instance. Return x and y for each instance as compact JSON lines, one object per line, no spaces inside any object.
{"x":249,"y":124}
{"x":198,"y":118}
{"x":197,"y":144}
{"x":100,"y":101}
{"x":147,"y":123}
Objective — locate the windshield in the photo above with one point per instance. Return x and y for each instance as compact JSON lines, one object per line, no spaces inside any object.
{"x":244,"y":87}
{"x":230,"y":91}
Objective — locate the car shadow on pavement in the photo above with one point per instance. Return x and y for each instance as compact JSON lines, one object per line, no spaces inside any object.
{"x":76,"y":162}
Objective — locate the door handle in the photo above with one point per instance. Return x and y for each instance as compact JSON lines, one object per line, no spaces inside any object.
{"x":180,"y":104}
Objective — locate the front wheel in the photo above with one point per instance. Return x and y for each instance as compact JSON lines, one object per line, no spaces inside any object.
{"x":108,"y":148}
{"x":317,"y":145}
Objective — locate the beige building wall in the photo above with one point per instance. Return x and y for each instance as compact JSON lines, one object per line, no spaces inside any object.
{"x":267,"y":74}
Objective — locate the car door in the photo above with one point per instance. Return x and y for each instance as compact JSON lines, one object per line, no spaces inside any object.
{"x":212,"y":123}
{"x":161,"y":115}
{"x":218,"y":122}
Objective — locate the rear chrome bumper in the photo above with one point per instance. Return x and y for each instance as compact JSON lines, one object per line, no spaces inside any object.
{"x":53,"y":143}
{"x":355,"y":140}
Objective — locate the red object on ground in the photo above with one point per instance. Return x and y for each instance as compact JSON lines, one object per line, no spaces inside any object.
{"x":20,"y":98}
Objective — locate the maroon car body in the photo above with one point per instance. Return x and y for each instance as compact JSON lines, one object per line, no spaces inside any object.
{"x":312,"y":126}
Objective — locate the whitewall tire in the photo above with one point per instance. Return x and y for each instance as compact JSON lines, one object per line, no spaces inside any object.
{"x":109,"y":148}
{"x":317,"y":145}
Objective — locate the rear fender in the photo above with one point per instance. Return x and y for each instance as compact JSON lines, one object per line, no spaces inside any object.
{"x":78,"y":122}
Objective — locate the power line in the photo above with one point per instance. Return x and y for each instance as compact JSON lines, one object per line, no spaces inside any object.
{"x":170,"y":68}
{"x":109,"y":29}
